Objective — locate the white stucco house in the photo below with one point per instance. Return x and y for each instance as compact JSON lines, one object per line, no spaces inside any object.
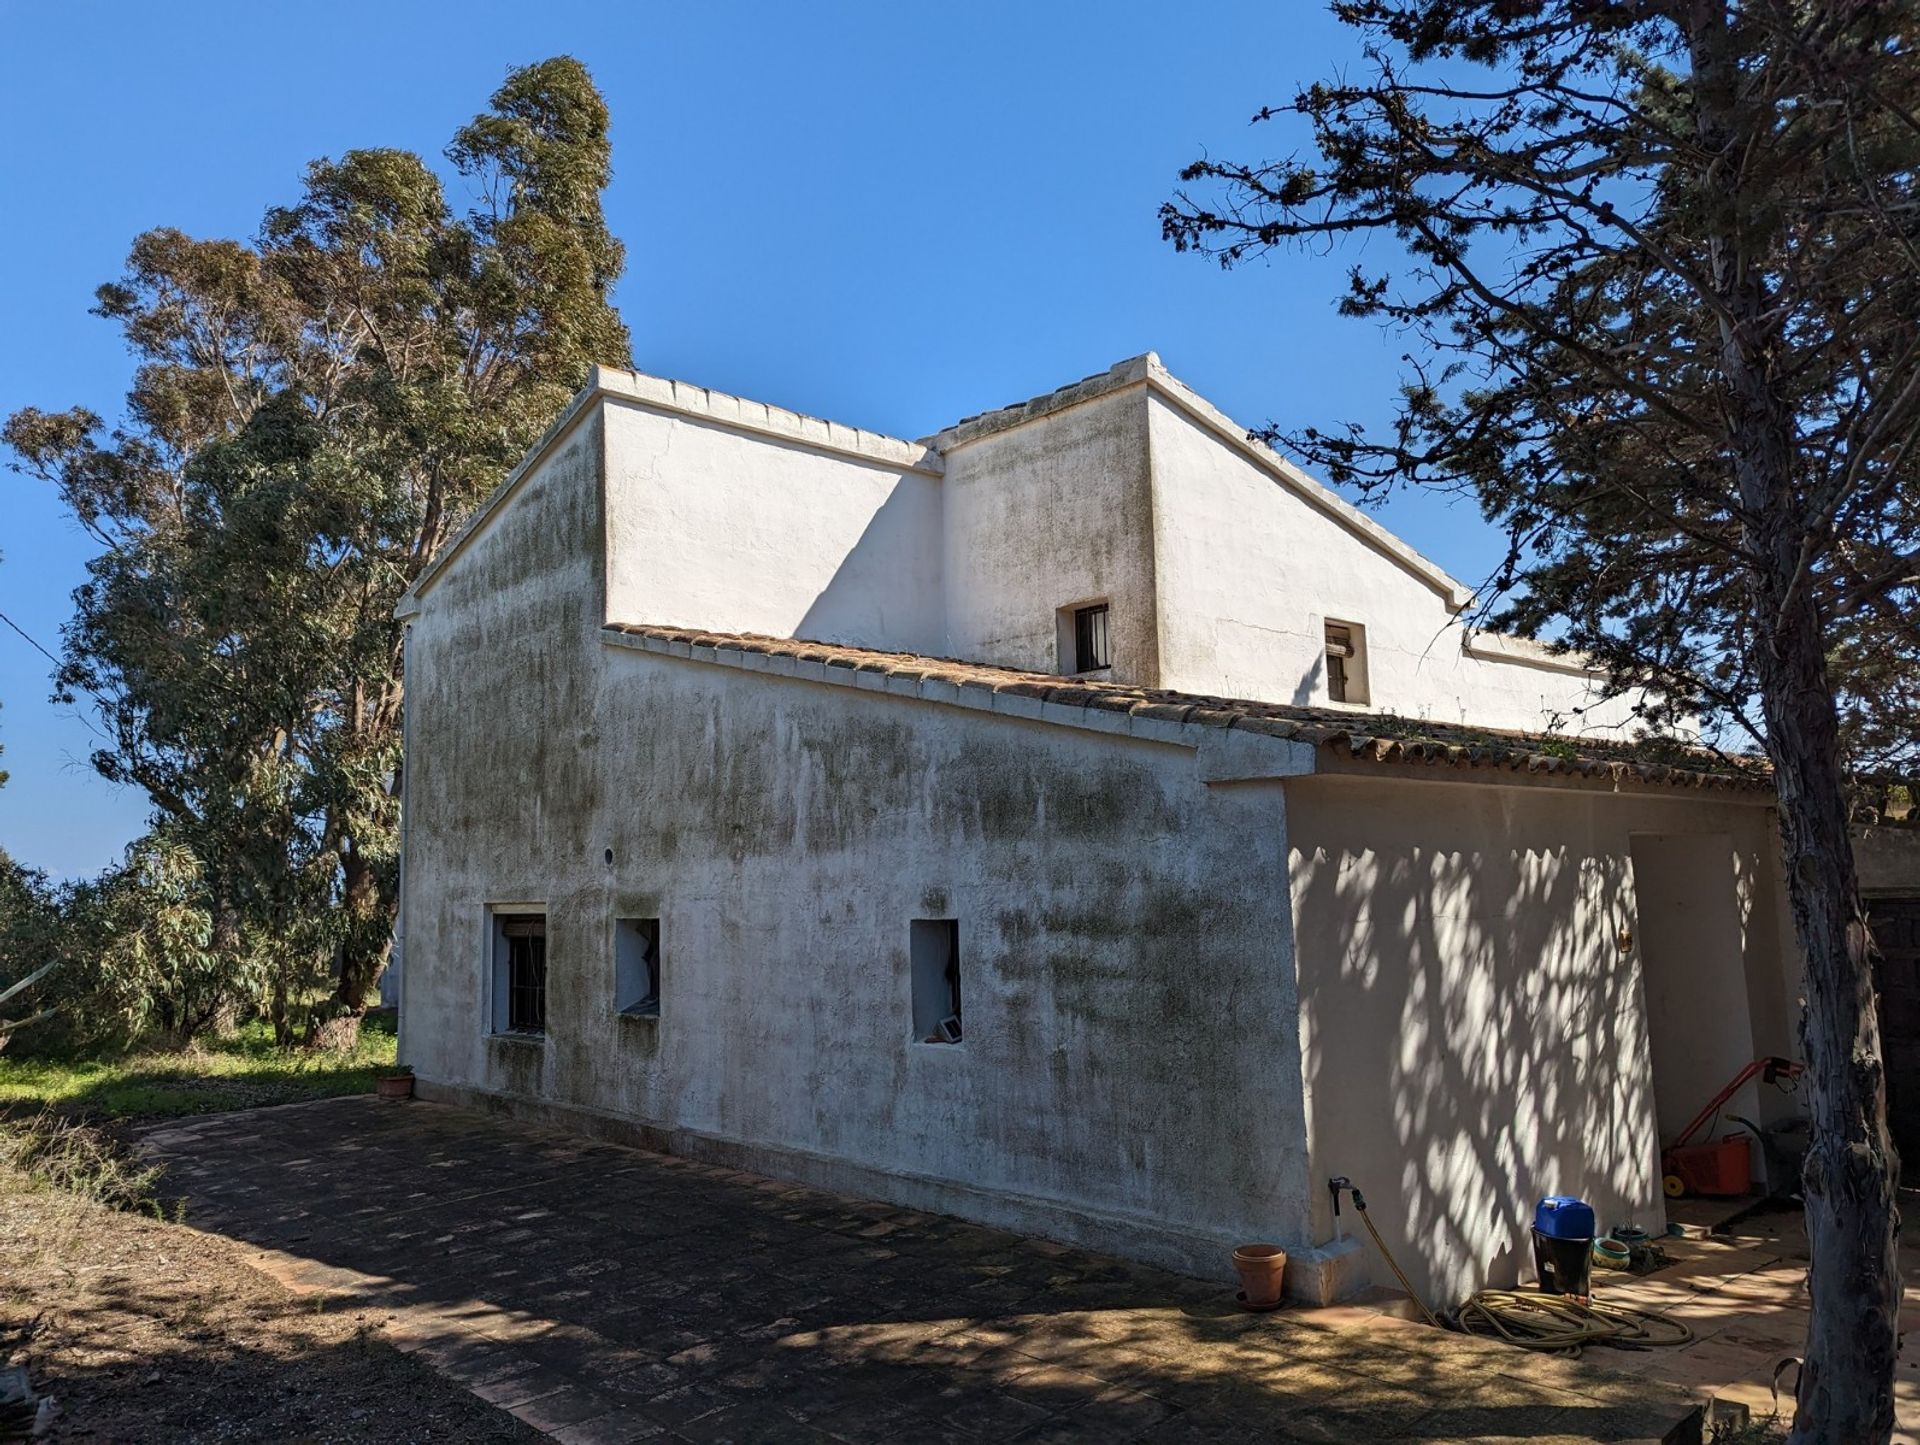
{"x":1078,"y":820}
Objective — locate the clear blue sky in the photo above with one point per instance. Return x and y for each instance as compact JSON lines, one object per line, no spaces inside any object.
{"x":891,"y":215}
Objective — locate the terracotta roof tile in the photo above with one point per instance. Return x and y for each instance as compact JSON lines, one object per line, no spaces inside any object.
{"x":1371,"y":737}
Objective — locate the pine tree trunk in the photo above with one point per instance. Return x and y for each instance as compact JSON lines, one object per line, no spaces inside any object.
{"x":1846,"y":1385}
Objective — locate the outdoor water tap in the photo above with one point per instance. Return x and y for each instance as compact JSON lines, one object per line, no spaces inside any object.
{"x":1334,"y":1186}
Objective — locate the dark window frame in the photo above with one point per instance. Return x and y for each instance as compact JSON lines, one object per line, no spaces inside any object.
{"x":523,"y":939}
{"x":1092,"y":641}
{"x":1345,"y":650}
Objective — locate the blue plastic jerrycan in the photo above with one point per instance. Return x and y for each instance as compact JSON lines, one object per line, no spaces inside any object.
{"x":1561,"y":1216}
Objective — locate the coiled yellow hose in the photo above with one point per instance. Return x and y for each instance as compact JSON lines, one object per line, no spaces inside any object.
{"x":1540,"y":1321}
{"x":1536,"y":1321}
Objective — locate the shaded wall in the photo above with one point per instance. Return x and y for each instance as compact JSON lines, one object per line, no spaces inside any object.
{"x":734,"y":531}
{"x":1474,"y":1033}
{"x":502,"y":743}
{"x":1691,"y":935}
{"x":1888,"y":858}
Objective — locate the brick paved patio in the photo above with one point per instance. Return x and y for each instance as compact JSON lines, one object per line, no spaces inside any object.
{"x":602,"y":1293}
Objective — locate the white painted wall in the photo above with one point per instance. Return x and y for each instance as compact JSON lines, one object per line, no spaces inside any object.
{"x":1048,"y":515}
{"x":1469,"y":1033}
{"x":1248,"y":573}
{"x":502,"y":740}
{"x":1473,"y":1034}
{"x":1220,"y":571}
{"x":713,"y":527}
{"x":1129,"y":1076}
{"x":1691,"y":937}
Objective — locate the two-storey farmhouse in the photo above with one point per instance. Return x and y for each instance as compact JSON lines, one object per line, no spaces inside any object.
{"x":1079,"y":820}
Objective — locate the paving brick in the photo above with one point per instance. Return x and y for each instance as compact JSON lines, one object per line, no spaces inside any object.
{"x":607,"y":1294}
{"x":569,"y":1405}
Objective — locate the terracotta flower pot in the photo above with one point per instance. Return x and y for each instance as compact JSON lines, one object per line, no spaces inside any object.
{"x":1262,"y":1268}
{"x":394,"y":1086}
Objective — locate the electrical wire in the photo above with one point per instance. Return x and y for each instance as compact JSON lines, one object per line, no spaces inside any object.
{"x":32,"y":641}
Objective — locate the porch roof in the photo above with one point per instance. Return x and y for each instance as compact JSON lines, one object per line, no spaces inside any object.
{"x":1382,"y":738}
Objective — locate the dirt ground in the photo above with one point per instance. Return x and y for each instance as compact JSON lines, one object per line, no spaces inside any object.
{"x":143,"y":1330}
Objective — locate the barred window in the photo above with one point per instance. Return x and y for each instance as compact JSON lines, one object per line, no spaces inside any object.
{"x":523,"y":951}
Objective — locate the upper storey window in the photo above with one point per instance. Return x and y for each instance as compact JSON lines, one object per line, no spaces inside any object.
{"x":1346,"y":661}
{"x":1090,"y":647}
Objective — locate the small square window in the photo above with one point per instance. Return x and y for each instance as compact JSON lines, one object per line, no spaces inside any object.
{"x":1090,"y":650}
{"x":934,"y":949}
{"x":520,"y":973}
{"x":1346,"y":662}
{"x":636,"y":967}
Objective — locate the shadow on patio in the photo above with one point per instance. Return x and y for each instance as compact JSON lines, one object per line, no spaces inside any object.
{"x":604,"y":1293}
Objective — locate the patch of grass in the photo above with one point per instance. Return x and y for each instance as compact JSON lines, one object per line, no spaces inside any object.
{"x":241,"y":1072}
{"x":52,"y":1152}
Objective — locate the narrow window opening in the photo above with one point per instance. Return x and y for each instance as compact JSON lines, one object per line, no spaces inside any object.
{"x":934,"y":948}
{"x":1090,"y":651}
{"x":1346,"y":662}
{"x":636,"y":967}
{"x":520,"y":972}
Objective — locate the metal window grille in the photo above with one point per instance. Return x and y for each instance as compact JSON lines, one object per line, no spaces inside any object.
{"x":526,"y":940}
{"x":1339,"y":649}
{"x":1090,"y":638}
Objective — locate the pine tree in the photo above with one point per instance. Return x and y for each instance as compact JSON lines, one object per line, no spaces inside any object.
{"x":1660,"y":269}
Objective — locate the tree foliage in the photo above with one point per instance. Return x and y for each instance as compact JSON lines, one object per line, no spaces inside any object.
{"x":1656,"y":261}
{"x":29,"y":934}
{"x":312,"y":415}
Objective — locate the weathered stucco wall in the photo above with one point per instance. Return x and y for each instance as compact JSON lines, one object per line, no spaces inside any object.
{"x":1048,"y":515}
{"x":714,"y":527}
{"x":1220,"y":575}
{"x":1146,"y":1065}
{"x":1129,"y":1073}
{"x":503,"y":761}
{"x":1474,"y":1035}
{"x":1248,"y":574}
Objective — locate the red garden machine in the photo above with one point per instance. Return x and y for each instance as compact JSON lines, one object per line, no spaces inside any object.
{"x":1724,"y":1166}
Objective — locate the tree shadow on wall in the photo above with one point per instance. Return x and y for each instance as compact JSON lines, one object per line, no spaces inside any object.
{"x":1474,"y":1035}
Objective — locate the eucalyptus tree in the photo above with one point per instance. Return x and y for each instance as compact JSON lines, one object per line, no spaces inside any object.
{"x":312,"y":415}
{"x":1656,"y":264}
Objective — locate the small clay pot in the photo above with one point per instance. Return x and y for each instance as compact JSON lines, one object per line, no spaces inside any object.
{"x":1262,"y":1268}
{"x":394,"y":1086}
